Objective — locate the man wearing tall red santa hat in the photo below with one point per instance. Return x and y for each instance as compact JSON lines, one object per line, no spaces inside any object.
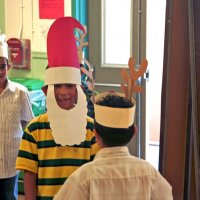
{"x":56,"y":143}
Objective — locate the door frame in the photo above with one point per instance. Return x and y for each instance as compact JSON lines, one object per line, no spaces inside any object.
{"x":109,"y":78}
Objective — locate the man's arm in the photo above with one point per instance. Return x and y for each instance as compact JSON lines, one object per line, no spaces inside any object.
{"x":30,"y":185}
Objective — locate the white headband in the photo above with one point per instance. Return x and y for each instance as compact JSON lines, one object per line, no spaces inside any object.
{"x":114,"y":117}
{"x":55,"y":75}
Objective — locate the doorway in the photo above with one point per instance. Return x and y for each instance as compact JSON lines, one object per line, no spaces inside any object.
{"x":154,"y":51}
{"x":147,"y":41}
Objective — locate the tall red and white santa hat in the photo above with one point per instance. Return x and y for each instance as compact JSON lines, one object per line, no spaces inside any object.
{"x":68,"y":126}
{"x":3,"y":46}
{"x":63,"y":62}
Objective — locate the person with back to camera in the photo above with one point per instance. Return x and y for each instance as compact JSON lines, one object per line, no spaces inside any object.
{"x":15,"y":113}
{"x":115,"y":174}
{"x":56,"y":143}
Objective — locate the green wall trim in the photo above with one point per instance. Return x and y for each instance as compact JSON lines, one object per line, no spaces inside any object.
{"x":38,"y":66}
{"x":38,"y":55}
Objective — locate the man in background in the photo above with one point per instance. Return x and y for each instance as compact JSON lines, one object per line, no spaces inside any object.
{"x":15,"y":113}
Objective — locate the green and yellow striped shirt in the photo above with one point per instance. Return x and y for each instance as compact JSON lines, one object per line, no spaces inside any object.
{"x":38,"y":153}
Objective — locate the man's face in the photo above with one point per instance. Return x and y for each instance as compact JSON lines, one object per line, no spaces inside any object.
{"x":66,"y":118}
{"x":3,"y":69}
{"x":66,"y":95}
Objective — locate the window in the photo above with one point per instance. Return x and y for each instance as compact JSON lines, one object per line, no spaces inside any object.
{"x":116,"y":32}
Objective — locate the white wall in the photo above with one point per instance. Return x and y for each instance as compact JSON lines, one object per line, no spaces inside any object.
{"x":22,"y":21}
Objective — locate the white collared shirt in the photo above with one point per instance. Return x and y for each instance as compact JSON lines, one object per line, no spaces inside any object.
{"x":115,"y":175}
{"x":15,"y":107}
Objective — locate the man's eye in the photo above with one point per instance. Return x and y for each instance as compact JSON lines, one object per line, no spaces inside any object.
{"x":3,"y":66}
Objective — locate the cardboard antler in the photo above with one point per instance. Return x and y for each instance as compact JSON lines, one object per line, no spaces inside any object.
{"x":88,"y":72}
{"x":81,"y":42}
{"x":131,"y":79}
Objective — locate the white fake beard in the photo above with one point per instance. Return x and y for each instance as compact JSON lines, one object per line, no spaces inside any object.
{"x":68,"y":126}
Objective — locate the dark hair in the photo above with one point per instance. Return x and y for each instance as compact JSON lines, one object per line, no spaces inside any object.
{"x":114,"y":136}
{"x":5,"y":59}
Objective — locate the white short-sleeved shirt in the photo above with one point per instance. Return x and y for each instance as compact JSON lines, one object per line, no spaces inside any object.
{"x":115,"y":175}
{"x":15,"y":107}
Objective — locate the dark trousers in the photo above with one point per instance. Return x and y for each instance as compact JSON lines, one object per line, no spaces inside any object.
{"x":9,"y":188}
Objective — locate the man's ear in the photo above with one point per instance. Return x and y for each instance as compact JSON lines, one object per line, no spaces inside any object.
{"x":44,"y":89}
{"x":8,"y":66}
{"x":135,"y":130}
{"x":96,"y":134}
{"x":98,"y":138}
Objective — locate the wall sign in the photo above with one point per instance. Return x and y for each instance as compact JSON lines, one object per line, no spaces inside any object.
{"x":51,"y":9}
{"x":19,"y":53}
